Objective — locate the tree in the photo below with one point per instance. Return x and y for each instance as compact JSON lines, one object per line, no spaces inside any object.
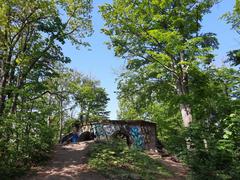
{"x":91,"y":99}
{"x":74,"y":91}
{"x":215,"y":96}
{"x":163,"y":39}
{"x":31,"y":103}
{"x":30,"y":34}
{"x":234,"y":19}
{"x":170,"y":65}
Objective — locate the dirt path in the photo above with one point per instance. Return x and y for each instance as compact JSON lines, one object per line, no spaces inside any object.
{"x":176,"y":168}
{"x":68,"y":163}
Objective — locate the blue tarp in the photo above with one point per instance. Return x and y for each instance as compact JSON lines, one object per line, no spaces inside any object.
{"x":74,"y":138}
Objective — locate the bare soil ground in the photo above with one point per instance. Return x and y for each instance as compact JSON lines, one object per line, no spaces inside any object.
{"x":178,"y":170}
{"x":69,"y":162}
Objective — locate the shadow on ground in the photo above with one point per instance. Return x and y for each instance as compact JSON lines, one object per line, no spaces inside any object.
{"x":69,"y":162}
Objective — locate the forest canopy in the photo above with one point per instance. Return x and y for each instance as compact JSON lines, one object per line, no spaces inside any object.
{"x":170,"y":78}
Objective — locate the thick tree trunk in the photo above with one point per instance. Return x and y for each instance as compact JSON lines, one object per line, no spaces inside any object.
{"x":185,"y":108}
{"x":183,"y":91}
{"x":186,"y":114}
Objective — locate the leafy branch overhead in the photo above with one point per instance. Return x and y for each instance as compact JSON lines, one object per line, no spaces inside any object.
{"x":154,"y":35}
{"x":234,"y":19}
{"x":30,"y":37}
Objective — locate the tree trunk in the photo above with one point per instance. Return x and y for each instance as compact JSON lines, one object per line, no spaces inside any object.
{"x":60,"y":120}
{"x":187,"y":119}
{"x":185,"y":108}
{"x":186,"y":114}
{"x":3,"y":85}
{"x":2,"y":103}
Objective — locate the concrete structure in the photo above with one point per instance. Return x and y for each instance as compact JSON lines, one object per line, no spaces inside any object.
{"x":139,"y":134}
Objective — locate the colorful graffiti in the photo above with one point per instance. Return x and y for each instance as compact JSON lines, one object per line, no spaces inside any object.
{"x":147,"y":133}
{"x":137,"y":137}
{"x":110,"y":129}
{"x":99,"y":130}
{"x":107,"y":130}
{"x":139,"y":134}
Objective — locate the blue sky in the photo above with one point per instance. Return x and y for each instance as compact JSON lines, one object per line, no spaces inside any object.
{"x":101,"y":64}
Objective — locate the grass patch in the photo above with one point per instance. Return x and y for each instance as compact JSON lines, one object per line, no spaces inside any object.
{"x":116,"y":161}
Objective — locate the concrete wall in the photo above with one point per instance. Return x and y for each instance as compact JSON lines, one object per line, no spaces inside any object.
{"x":142,"y":133}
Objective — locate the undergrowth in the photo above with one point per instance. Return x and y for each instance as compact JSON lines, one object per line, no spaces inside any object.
{"x":116,"y":161}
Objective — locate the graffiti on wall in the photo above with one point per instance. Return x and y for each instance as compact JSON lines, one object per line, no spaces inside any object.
{"x":146,"y":130}
{"x":98,"y":130}
{"x":110,"y":129}
{"x":106,"y":130}
{"x":137,"y":136}
{"x":140,"y":136}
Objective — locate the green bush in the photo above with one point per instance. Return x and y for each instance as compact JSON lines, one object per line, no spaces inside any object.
{"x":115,"y":160}
{"x":220,"y":159}
{"x":22,"y":144}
